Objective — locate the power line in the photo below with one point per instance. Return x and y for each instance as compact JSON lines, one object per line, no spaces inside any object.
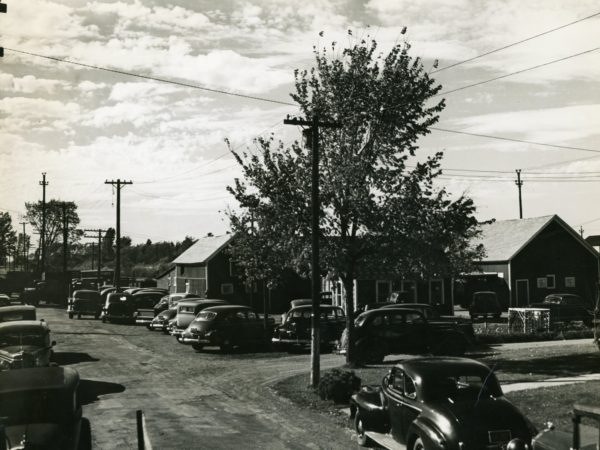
{"x":516,"y":43}
{"x":517,"y":72}
{"x":521,"y":141}
{"x":148,"y":77}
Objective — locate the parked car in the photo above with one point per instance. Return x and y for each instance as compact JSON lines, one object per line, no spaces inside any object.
{"x":17,"y":312}
{"x":4,"y":300}
{"x":186,"y":313}
{"x":386,"y":331}
{"x":295,"y":331}
{"x":161,"y":321}
{"x":85,"y":302}
{"x":440,"y":403}
{"x":170,"y":300}
{"x":29,"y":296}
{"x":39,"y":410}
{"x":229,"y":326}
{"x":566,"y":308}
{"x":144,"y":302}
{"x":371,"y":306}
{"x":551,"y":439}
{"x":24,"y":344}
{"x":431,"y":313}
{"x":485,"y":304}
{"x":118,"y":307}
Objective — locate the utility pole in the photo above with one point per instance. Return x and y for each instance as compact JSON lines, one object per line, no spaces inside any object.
{"x":581,"y":231}
{"x":3,"y":9}
{"x":24,"y":247}
{"x":119,"y":183}
{"x":99,"y":231}
{"x":43,"y":183}
{"x":519,"y":183}
{"x":93,"y":254}
{"x":65,"y":230}
{"x":315,"y":345}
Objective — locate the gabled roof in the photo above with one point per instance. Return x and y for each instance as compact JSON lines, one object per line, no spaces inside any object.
{"x":504,"y":239}
{"x":203,"y":249}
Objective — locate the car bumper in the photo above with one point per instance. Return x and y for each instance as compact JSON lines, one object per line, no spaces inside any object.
{"x":143,"y":320}
{"x":158,"y":326}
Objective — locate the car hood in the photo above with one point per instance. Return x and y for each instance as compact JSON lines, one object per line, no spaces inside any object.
{"x":47,"y":436}
{"x":474,"y":419}
{"x":184,"y":320}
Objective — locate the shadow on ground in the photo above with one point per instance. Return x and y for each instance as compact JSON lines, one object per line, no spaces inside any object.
{"x":554,"y":366}
{"x":67,"y":358}
{"x":90,"y":390}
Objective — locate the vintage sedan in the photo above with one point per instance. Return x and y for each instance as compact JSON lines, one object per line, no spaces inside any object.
{"x":187,"y":310}
{"x":39,"y":410}
{"x":25,"y":344}
{"x":229,"y":326}
{"x":144,"y":301}
{"x":85,"y":302}
{"x":437,"y":403}
{"x":119,"y":307}
{"x":171,"y":300}
{"x":295,"y":330}
{"x":161,"y":321}
{"x":17,"y":312}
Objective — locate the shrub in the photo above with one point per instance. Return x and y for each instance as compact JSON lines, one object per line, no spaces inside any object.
{"x":338,"y":385}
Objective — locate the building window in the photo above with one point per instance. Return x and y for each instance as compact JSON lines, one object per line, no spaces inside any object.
{"x":226,"y":289}
{"x":181,"y":270}
{"x":542,"y":282}
{"x":570,"y":282}
{"x":551,"y":281}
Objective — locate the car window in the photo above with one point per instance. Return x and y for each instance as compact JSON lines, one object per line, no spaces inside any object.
{"x":409,"y":387}
{"x":29,"y":338}
{"x":414,"y":318}
{"x":240,"y":315}
{"x":398,"y":381}
{"x":397,"y":319}
{"x":377,"y":321}
{"x":206,"y":316}
{"x":252,"y":315}
{"x":186,"y":309}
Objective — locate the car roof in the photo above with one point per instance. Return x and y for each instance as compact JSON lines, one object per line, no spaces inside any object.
{"x":407,"y":305}
{"x":23,"y":325}
{"x":563,"y":294}
{"x":427,"y":367}
{"x":373,"y":312}
{"x":199,"y":301}
{"x":38,"y":378}
{"x":484,"y":292}
{"x":140,"y":293}
{"x":14,"y":308}
{"x":85,"y":291}
{"x":222,"y":308}
{"x":321,"y":306}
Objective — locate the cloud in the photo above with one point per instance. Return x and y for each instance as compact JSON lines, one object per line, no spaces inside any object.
{"x":29,"y":84}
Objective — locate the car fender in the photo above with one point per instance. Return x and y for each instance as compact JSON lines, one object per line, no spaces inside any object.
{"x":371,"y":404}
{"x":432,"y":437}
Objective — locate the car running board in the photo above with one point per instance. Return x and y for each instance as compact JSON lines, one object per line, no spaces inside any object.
{"x":385,"y":440}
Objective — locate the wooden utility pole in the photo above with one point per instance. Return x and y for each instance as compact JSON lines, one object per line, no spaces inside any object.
{"x":315,"y":346}
{"x":43,"y":183}
{"x":119,"y":184}
{"x":24,"y":247}
{"x":519,"y":183}
{"x":99,"y":231}
{"x":65,"y":230}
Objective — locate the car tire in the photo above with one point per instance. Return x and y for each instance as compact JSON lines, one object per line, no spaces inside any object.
{"x":361,"y":435}
{"x":418,"y":444}
{"x":197,"y":347}
{"x":70,"y":315}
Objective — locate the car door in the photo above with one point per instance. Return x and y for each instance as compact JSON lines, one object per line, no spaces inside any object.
{"x":394,"y":393}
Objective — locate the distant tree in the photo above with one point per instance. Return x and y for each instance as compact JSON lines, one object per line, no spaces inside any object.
{"x":54,"y":220}
{"x":373,"y":205}
{"x":8,"y":237}
{"x":108,"y":242}
{"x":125,"y":241}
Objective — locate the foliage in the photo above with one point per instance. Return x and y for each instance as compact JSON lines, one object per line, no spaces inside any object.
{"x":338,"y":385}
{"x":8,"y":236}
{"x":376,"y":210}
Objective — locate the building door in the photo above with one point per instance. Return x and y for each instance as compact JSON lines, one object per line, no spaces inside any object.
{"x":436,"y":292}
{"x":522,"y":297}
{"x":382,"y":290}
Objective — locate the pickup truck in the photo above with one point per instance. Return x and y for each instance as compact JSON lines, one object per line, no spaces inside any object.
{"x":566,"y":308}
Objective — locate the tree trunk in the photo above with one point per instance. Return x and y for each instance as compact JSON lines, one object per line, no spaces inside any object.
{"x":349,"y":303}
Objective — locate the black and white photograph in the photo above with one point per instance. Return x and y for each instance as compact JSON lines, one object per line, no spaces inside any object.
{"x":328,"y":224}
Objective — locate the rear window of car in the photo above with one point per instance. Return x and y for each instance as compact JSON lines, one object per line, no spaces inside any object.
{"x":206,"y":316}
{"x":87,"y":295}
{"x":186,"y":309}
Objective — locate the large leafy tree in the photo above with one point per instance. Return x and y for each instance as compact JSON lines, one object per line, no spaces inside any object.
{"x":8,"y":236}
{"x":379,"y":203}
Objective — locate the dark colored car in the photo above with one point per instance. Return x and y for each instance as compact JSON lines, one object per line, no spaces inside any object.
{"x":567,"y":308}
{"x":187,"y":310}
{"x":229,"y":326}
{"x":29,"y":296}
{"x":433,"y":316}
{"x":119,"y":307}
{"x":170,"y":300}
{"x":295,"y":331}
{"x":39,"y":410}
{"x":485,"y":304}
{"x":440,"y":403}
{"x":144,"y":302}
{"x":4,"y":300}
{"x":25,"y":344}
{"x":17,"y":312}
{"x":85,"y":302}
{"x":387,"y":331}
{"x":371,"y":306}
{"x":161,"y":321}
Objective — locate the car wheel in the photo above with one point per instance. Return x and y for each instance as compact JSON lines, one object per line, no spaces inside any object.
{"x":361,"y":433}
{"x":197,"y":347}
{"x":70,"y":315}
{"x":418,"y":444}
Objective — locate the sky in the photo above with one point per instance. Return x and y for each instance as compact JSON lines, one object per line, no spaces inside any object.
{"x":84,"y":126}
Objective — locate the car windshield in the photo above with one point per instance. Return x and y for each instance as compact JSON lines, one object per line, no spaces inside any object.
{"x":25,"y":338}
{"x":39,"y":406}
{"x":206,"y":316}
{"x":17,"y":315}
{"x":463,"y":387}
